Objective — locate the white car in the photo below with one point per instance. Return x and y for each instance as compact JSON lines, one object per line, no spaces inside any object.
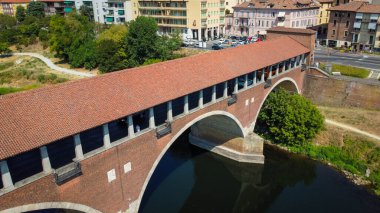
{"x":187,"y":43}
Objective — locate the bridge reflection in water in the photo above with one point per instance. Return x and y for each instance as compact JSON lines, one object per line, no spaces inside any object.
{"x":189,"y":179}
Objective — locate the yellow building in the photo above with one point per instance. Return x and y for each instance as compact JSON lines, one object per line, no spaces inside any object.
{"x":324,"y":14}
{"x":195,"y":19}
{"x":8,"y":7}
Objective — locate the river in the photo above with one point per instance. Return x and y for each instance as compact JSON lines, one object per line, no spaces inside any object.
{"x":189,"y":179}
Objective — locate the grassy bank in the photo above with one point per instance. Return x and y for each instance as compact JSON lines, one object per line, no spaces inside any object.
{"x":348,"y":70}
{"x":355,"y":156}
{"x":7,"y":90}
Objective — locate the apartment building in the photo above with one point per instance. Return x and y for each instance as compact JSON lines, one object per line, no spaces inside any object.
{"x":355,"y":25}
{"x":366,"y":29}
{"x":8,"y":7}
{"x":109,"y":11}
{"x":195,"y":19}
{"x":256,"y":16}
{"x":232,"y":3}
{"x":60,"y":7}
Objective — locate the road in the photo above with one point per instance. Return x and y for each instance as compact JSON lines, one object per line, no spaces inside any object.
{"x":50,"y":64}
{"x":357,"y":60}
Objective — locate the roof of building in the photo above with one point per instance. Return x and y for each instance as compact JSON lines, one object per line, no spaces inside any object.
{"x":369,"y":8}
{"x":278,"y":4}
{"x":350,"y":7}
{"x":325,"y":1}
{"x":35,"y":118}
{"x":15,"y":1}
{"x":291,"y":30}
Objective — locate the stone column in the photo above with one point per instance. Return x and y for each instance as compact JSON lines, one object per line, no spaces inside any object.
{"x":278,"y":69}
{"x":152,"y":124}
{"x":246,"y":81}
{"x":225,"y":90}
{"x":6,"y":175}
{"x":186,"y":105}
{"x":263,"y":75}
{"x":200,"y":100}
{"x":78,"y":147}
{"x":254,"y":78}
{"x":199,"y":32}
{"x":206,"y":34}
{"x":170,"y":111}
{"x":212,"y":33}
{"x":45,"y":159}
{"x":218,"y":31}
{"x":131,"y":130}
{"x":270,"y":72}
{"x":236,"y":86}
{"x":106,"y":136}
{"x":213,"y":97}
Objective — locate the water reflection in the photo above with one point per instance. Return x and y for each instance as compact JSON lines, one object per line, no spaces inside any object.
{"x":192,"y":180}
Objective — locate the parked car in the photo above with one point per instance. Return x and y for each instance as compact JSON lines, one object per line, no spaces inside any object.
{"x":187,"y":43}
{"x":233,"y":37}
{"x":226,"y":41}
{"x":216,"y":47}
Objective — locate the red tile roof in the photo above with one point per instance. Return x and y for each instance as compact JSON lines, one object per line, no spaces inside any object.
{"x":351,"y":7}
{"x":15,"y":1}
{"x":35,"y":118}
{"x":325,"y":1}
{"x":278,"y":4}
{"x":369,"y":8}
{"x":291,"y":30}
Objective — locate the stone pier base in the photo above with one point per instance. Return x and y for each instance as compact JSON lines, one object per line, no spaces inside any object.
{"x":247,"y":150}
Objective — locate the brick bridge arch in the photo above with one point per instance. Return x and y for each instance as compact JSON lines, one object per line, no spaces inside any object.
{"x":287,"y":83}
{"x":51,"y":205}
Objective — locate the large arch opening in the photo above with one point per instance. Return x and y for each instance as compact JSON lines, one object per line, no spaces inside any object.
{"x":286,"y":83}
{"x":218,"y":127}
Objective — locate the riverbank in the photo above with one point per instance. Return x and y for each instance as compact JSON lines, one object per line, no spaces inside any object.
{"x":356,"y":157}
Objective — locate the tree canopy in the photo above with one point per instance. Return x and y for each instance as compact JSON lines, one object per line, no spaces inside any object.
{"x":289,"y":119}
{"x":35,"y":8}
{"x":20,"y":13}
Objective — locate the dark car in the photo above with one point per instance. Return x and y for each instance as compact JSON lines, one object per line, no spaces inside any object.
{"x":216,"y":47}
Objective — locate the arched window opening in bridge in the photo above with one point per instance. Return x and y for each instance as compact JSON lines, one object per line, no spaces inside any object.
{"x":220,"y":90}
{"x":160,"y":113}
{"x":118,"y":129}
{"x":259,"y":74}
{"x":281,"y":67}
{"x":92,"y":139}
{"x":231,"y":87}
{"x":25,"y":165}
{"x":1,"y":183}
{"x":193,"y":100}
{"x":241,"y":82}
{"x":141,"y":120}
{"x":61,"y":152}
{"x":250,"y":78}
{"x":178,"y":106}
{"x":207,"y":95}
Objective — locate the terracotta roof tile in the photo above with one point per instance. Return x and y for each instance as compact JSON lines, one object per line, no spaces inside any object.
{"x":369,"y":8}
{"x":352,"y":6}
{"x":278,"y":4}
{"x":35,"y":118}
{"x":15,"y":1}
{"x":291,"y":30}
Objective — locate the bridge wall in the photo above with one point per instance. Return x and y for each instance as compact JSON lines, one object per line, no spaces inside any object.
{"x":143,"y":152}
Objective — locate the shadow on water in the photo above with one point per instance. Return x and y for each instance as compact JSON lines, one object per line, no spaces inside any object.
{"x":189,"y":179}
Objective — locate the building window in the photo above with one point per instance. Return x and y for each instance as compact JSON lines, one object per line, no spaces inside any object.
{"x":334,"y":23}
{"x":333,"y":32}
{"x":348,"y":14}
{"x":345,"y":33}
{"x":347,"y":23}
{"x":370,"y":39}
{"x":336,"y":14}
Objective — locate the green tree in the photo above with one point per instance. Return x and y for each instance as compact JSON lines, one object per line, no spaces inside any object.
{"x":84,"y":56}
{"x":141,"y":39}
{"x":4,"y":49}
{"x":7,"y":22}
{"x":68,"y":34}
{"x":289,"y":119}
{"x":36,"y":8}
{"x":86,"y":11}
{"x":20,"y":13}
{"x":111,"y":49}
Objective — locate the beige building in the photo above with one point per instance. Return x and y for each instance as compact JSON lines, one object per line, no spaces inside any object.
{"x":232,"y":3}
{"x":194,"y":19}
{"x":323,"y":16}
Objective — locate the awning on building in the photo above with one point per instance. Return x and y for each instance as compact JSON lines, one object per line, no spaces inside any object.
{"x":281,"y":14}
{"x":372,"y":26}
{"x":262,"y":32}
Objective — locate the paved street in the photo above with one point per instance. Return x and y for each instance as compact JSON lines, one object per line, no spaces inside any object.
{"x":357,"y":60}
